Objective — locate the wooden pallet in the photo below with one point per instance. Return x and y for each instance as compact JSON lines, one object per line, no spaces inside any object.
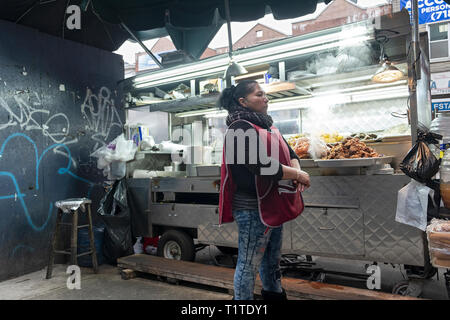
{"x":222,"y":277}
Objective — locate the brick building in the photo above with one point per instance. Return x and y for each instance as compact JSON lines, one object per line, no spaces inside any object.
{"x":337,"y":13}
{"x":259,"y":34}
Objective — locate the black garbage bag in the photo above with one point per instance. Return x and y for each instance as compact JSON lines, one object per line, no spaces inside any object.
{"x":115,"y":214}
{"x":420,"y":163}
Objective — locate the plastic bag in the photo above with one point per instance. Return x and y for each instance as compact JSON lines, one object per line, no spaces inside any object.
{"x":317,"y":148}
{"x":111,"y":158}
{"x":420,"y":163}
{"x":115,"y":214}
{"x":84,"y":245}
{"x":412,"y":205}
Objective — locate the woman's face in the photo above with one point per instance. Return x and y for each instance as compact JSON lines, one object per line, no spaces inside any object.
{"x":256,"y":100}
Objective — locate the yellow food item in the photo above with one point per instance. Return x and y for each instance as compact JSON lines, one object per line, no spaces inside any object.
{"x":331,"y":137}
{"x":292,"y":141}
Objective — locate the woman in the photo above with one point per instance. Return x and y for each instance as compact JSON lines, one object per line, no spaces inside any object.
{"x":260,"y":189}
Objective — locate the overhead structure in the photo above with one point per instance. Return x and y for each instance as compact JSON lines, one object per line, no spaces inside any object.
{"x":234,"y":69}
{"x":191,"y":24}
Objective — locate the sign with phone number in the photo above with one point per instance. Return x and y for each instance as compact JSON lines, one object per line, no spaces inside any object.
{"x":429,"y":10}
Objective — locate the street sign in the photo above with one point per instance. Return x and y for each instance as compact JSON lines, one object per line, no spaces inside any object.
{"x":429,"y":10}
{"x":440,"y":105}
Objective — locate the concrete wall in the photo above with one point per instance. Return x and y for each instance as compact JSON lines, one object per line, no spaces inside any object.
{"x":59,"y":101}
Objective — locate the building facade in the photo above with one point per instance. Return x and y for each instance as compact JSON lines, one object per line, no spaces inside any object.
{"x":337,"y":13}
{"x":434,"y":20}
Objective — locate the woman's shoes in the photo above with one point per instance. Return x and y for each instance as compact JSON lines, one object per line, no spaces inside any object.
{"x":274,"y":296}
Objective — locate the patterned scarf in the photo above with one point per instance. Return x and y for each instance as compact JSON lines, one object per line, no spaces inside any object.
{"x":260,"y":119}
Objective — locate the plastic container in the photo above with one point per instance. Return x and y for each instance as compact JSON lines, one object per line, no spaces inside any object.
{"x":441,"y":125}
{"x":445,"y":179}
{"x":84,"y":245}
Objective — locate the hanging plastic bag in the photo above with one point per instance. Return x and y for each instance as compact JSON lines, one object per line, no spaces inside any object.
{"x":112,"y":158}
{"x":115,"y":214}
{"x":412,"y":205}
{"x":420,"y":163}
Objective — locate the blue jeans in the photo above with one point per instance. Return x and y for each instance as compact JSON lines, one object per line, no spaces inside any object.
{"x":259,"y":248}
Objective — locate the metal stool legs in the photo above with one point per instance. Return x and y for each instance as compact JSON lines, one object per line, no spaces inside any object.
{"x":73,"y":241}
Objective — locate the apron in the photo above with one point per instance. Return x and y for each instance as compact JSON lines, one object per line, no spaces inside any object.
{"x":278,"y":202}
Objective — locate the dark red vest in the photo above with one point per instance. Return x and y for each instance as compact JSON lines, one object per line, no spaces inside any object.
{"x":278,"y":202}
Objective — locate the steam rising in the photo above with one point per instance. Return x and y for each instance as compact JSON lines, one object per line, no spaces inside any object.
{"x":346,"y":59}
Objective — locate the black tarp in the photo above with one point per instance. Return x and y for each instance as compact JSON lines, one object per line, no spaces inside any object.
{"x":188,"y":22}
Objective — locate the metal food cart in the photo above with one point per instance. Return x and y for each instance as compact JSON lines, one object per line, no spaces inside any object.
{"x":351,"y":205}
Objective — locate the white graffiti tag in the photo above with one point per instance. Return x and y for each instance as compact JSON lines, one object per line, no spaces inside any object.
{"x":27,"y":113}
{"x":101,"y":115}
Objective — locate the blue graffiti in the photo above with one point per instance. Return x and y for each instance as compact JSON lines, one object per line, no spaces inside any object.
{"x":61,"y":171}
{"x":21,"y":246}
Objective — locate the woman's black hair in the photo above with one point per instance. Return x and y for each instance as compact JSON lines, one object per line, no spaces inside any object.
{"x":229,"y":99}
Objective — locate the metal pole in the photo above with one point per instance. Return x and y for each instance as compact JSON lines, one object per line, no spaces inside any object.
{"x":142,"y":45}
{"x":230,"y":42}
{"x":414,"y":67}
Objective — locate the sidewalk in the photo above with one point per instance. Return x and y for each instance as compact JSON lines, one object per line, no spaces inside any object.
{"x":106,"y":285}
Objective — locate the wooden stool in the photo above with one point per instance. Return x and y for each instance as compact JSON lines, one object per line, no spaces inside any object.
{"x":72,"y":206}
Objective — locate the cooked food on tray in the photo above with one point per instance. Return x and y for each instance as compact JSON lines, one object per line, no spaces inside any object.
{"x":365,"y":137}
{"x":301,"y":148}
{"x":308,"y":147}
{"x":350,"y":148}
{"x":331,"y":137}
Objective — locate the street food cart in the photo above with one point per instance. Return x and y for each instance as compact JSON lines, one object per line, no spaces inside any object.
{"x":325,"y":89}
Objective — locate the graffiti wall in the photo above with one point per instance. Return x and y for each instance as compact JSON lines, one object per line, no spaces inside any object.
{"x":59,"y":101}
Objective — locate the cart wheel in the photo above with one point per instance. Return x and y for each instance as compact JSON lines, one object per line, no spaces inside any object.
{"x":228,"y":250}
{"x":400,"y":288}
{"x":177,"y":245}
{"x":407,"y":288}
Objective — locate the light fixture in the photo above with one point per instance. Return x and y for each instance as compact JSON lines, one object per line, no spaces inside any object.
{"x":387,"y":73}
{"x":234,"y":69}
{"x":364,"y":94}
{"x":215,"y":65}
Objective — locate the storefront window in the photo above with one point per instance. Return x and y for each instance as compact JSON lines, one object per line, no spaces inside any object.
{"x":439,"y":40}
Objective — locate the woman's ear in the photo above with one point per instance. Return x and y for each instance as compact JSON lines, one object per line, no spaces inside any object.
{"x":242,"y":101}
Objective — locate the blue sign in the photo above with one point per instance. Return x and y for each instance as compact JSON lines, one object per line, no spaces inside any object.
{"x":441,"y":106}
{"x":429,"y":10}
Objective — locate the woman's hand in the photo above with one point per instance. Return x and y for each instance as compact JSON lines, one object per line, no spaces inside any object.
{"x":302,"y":180}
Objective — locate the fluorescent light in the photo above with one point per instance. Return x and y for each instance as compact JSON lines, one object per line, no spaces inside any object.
{"x":283,"y":51}
{"x":217,"y":114}
{"x":346,"y":98}
{"x":180,"y":77}
{"x":299,"y":51}
{"x":181,"y":70}
{"x":196,"y":113}
{"x":360,"y":88}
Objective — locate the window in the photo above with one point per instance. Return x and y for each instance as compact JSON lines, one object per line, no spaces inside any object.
{"x":259,"y":34}
{"x":287,"y":121}
{"x":438,"y":40}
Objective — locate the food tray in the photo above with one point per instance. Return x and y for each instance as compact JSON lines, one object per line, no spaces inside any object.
{"x":208,"y":170}
{"x":358,"y":162}
{"x":307,"y":163}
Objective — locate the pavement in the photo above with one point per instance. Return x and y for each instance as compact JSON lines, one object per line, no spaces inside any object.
{"x":108,"y":284}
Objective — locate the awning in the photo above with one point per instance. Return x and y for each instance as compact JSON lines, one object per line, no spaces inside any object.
{"x":191,"y":23}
